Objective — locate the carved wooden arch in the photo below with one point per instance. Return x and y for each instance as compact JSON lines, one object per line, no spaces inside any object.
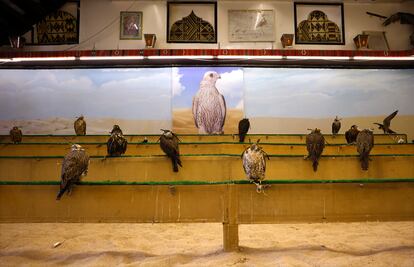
{"x":59,"y":27}
{"x":192,"y":29}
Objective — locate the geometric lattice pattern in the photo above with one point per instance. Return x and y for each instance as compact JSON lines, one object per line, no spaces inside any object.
{"x":318,"y":29}
{"x":59,"y":27}
{"x":192,"y":28}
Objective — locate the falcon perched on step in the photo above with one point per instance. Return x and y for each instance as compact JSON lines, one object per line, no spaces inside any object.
{"x":244,"y":126}
{"x":209,"y":106}
{"x":117,"y":143}
{"x":404,"y":18}
{"x":315,"y":143}
{"x":169,"y":144}
{"x":385,"y":126}
{"x":351,"y":134}
{"x":16,"y":135}
{"x":80,"y":126}
{"x":254,"y":164}
{"x":336,"y":125}
{"x":364,"y":143}
{"x":75,"y":164}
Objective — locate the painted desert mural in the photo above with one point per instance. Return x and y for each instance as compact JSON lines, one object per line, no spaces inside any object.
{"x":186,"y":99}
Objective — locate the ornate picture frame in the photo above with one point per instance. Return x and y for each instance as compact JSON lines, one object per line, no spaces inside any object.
{"x":57,"y":28}
{"x":251,"y":25}
{"x":319,"y":23}
{"x":130,"y":25}
{"x":192,"y":22}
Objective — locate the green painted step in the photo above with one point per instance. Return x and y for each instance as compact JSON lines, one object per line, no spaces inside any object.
{"x":265,"y":138}
{"x":207,"y":168}
{"x":99,"y":149}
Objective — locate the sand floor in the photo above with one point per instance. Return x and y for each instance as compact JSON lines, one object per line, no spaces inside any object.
{"x":318,"y":244}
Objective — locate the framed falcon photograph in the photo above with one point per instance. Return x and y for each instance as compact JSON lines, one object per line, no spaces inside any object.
{"x":319,"y":23}
{"x":192,"y":22}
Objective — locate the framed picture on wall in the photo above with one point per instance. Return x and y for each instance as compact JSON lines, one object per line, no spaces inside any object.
{"x":192,"y":22}
{"x":251,"y":25}
{"x":60,"y":27}
{"x":319,"y":23}
{"x":130,"y":25}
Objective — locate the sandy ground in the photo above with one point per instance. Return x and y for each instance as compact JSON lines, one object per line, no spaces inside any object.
{"x":400,"y":124}
{"x":93,"y":126}
{"x":319,"y":244}
{"x":183,"y":121}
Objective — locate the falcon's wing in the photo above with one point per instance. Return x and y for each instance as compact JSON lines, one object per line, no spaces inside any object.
{"x":393,"y":18}
{"x":195,"y":107}
{"x":223,"y":108}
{"x":388,"y":119}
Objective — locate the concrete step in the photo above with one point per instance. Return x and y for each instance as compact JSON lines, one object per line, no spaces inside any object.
{"x":99,"y":149}
{"x":210,"y":168}
{"x":264,"y":138}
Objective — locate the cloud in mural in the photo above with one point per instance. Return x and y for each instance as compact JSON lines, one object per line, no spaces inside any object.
{"x":230,"y":84}
{"x":33,"y":94}
{"x":327,"y":92}
{"x":177,"y":87}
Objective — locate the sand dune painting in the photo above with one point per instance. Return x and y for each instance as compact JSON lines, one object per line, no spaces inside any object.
{"x":187,"y":82}
{"x":47,"y":101}
{"x":292,"y":100}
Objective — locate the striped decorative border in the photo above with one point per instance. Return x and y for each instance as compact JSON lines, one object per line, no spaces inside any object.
{"x":207,"y":52}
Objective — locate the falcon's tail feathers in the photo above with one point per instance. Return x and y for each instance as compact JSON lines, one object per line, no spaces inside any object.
{"x":174,"y":162}
{"x":315,"y":164}
{"x":364,"y":158}
{"x":241,"y":137}
{"x":61,"y":192}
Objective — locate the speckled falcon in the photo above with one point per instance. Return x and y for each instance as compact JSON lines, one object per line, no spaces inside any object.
{"x":75,"y":164}
{"x":80,"y":126}
{"x":16,"y":135}
{"x":315,"y":143}
{"x":364,"y":144}
{"x":254,"y":164}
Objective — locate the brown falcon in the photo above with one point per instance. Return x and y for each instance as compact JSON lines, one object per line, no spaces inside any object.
{"x":254,"y":164}
{"x":75,"y":164}
{"x":244,"y":126}
{"x":117,"y":143}
{"x":364,"y":144}
{"x":80,"y":126}
{"x":351,"y":134}
{"x":385,"y":126}
{"x":336,"y":125}
{"x":315,"y":143}
{"x":169,"y":144}
{"x":16,"y":135}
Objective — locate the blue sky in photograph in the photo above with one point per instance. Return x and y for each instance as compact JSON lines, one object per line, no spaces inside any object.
{"x":110,"y":93}
{"x":318,"y":93}
{"x":186,"y":82}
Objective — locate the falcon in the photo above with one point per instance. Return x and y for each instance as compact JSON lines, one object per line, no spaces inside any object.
{"x":16,"y":135}
{"x":209,"y":106}
{"x":254,"y":164}
{"x":336,"y":125}
{"x":169,"y":144}
{"x":385,"y":126}
{"x":364,"y":144}
{"x":244,"y":126}
{"x":75,"y":164}
{"x":351,"y":134}
{"x":80,"y":126}
{"x":117,"y":143}
{"x":315,"y":143}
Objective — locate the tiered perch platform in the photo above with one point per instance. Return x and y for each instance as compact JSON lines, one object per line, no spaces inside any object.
{"x":211,"y":186}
